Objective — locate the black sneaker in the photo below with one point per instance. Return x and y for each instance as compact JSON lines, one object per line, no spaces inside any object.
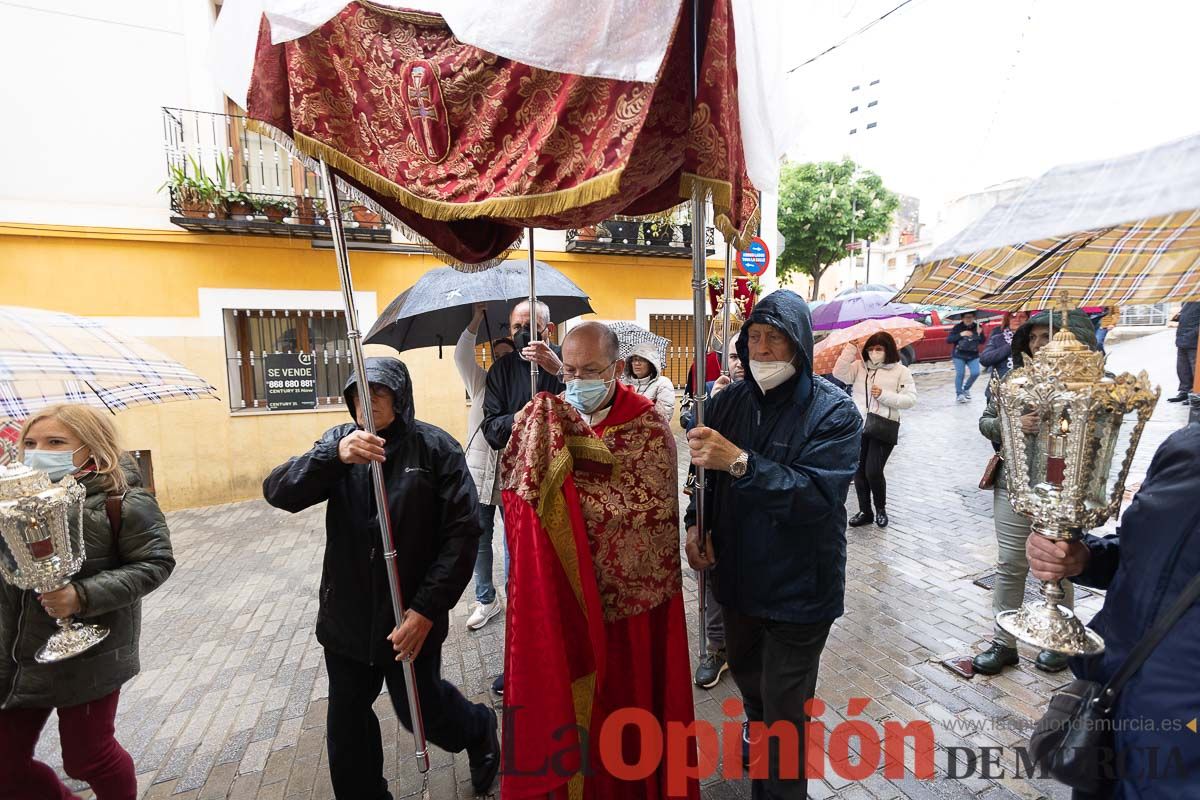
{"x":484,"y":757}
{"x":860,"y":519}
{"x":881,"y":519}
{"x":1179,"y":398}
{"x":712,"y":666}
{"x":993,"y":660}
{"x":498,"y":684}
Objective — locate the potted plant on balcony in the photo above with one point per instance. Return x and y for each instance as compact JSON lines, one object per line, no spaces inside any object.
{"x":195,"y":193}
{"x":658,"y":228}
{"x":239,"y":205}
{"x":272,"y":207}
{"x":623,"y":229}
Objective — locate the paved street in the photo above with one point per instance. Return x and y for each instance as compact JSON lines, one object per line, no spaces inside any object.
{"x":231,"y":699}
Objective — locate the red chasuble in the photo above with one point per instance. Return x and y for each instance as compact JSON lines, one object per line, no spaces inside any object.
{"x":595,"y":603}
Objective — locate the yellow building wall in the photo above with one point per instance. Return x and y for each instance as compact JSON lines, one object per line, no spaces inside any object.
{"x":202,"y":452}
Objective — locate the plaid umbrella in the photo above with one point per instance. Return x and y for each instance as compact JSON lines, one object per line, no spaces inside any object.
{"x":632,"y":335}
{"x":904,"y":331}
{"x":47,"y":357}
{"x":1116,"y":232}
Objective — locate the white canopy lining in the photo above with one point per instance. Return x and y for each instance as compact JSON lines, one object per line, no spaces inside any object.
{"x":616,"y":39}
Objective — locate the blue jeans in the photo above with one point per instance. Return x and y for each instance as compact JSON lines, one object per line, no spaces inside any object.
{"x":960,"y":366}
{"x":1101,"y":335}
{"x":485,"y":590}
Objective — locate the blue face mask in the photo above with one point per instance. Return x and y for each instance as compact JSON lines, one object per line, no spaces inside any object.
{"x":58,"y":464}
{"x":586,"y":395}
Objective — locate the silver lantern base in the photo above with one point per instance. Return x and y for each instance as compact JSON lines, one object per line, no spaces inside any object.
{"x":1049,"y":626}
{"x":71,"y":639}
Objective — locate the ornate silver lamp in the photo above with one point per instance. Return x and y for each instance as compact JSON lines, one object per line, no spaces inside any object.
{"x":41,"y":547}
{"x":1070,"y":474}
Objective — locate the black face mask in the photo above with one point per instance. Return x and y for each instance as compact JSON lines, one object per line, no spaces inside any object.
{"x":522,"y":337}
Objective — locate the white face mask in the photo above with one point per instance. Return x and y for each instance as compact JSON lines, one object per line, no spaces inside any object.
{"x":876,"y":357}
{"x":769,"y":374}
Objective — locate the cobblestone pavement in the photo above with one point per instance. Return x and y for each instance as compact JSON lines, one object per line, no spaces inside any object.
{"x":231,"y":700}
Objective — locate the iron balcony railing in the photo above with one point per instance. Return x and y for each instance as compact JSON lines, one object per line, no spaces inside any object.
{"x":224,"y":176}
{"x":639,"y":236}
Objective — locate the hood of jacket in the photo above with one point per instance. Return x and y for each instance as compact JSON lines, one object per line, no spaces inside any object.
{"x":649,"y":352}
{"x":392,"y":373}
{"x":1076,"y":321}
{"x":787,"y":311}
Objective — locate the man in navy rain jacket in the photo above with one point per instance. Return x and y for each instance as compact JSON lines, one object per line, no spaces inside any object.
{"x":781,"y":448}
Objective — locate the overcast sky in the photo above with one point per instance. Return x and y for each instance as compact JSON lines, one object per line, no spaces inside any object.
{"x":975,"y":92}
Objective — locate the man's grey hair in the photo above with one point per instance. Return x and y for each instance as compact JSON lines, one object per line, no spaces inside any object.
{"x":608,"y":340}
{"x":543,"y":311}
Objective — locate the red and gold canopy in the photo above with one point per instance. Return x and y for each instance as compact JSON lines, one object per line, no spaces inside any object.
{"x":466,"y":147}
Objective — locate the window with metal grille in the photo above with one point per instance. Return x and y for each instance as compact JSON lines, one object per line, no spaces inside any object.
{"x":677,"y":329}
{"x":253,"y":334}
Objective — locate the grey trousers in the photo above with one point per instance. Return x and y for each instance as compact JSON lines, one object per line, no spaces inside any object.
{"x":1012,"y":567}
{"x":775,"y":666}
{"x":714,"y":619}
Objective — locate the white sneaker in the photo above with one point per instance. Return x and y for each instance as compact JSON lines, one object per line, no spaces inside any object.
{"x":482,"y":614}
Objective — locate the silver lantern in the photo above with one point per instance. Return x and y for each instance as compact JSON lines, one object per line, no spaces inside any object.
{"x":41,"y":547}
{"x":1069,"y":475}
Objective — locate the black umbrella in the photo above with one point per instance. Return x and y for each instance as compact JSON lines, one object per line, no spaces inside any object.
{"x":436,"y":309}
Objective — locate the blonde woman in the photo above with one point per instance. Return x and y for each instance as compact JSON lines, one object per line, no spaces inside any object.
{"x":128,"y":556}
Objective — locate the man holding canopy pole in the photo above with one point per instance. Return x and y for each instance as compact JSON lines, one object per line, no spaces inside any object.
{"x":781,"y":448}
{"x":429,"y":487}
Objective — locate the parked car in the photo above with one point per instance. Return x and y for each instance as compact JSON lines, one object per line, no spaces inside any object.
{"x":934,"y":346}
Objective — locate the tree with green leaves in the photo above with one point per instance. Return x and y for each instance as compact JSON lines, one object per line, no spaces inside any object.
{"x":823,"y":207}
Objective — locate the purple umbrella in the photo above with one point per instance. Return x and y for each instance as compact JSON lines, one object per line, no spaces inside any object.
{"x":851,"y":309}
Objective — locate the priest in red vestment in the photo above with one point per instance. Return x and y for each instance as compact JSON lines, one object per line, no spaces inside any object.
{"x":595,"y":615}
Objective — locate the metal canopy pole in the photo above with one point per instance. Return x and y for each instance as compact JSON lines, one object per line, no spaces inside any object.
{"x":699,"y":286}
{"x":534,"y":319}
{"x":728,"y":300}
{"x":354,"y":336}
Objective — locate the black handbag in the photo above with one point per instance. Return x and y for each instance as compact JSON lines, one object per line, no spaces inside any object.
{"x":876,"y":426}
{"x":881,"y":429}
{"x":1073,"y":741}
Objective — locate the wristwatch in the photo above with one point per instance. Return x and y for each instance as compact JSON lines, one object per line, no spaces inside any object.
{"x":740,"y":464}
